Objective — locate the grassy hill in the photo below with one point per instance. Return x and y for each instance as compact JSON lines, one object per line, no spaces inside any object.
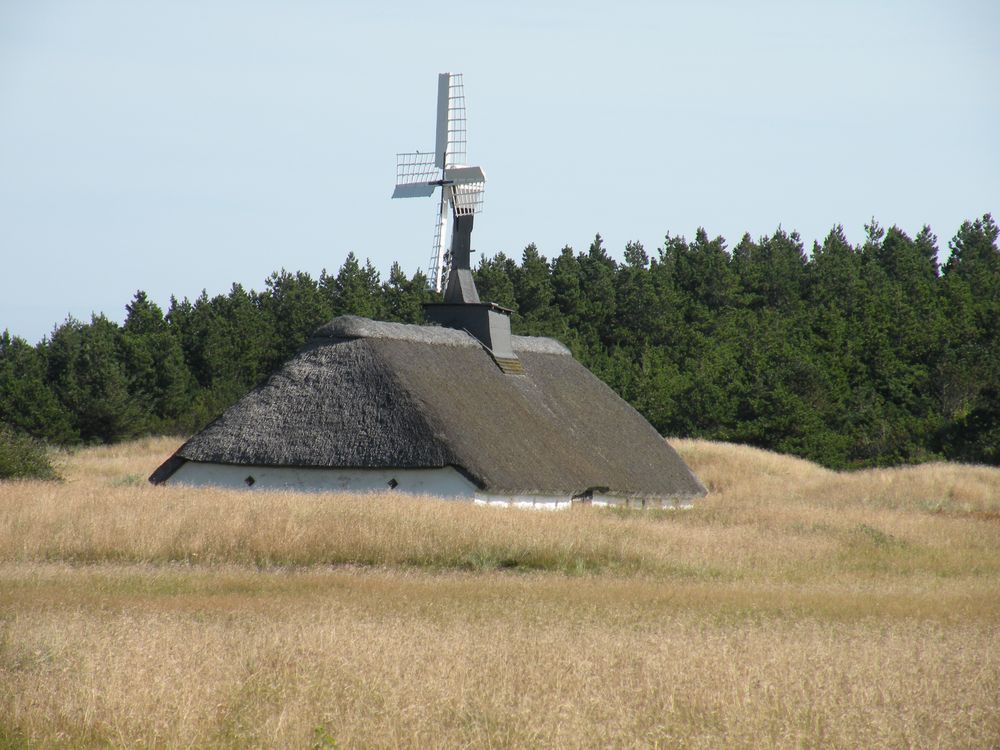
{"x":792,"y":607}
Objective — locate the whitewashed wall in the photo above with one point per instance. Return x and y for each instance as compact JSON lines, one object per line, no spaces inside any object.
{"x":444,"y":482}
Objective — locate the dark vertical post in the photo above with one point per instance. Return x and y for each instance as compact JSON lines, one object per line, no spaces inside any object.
{"x":461,"y":288}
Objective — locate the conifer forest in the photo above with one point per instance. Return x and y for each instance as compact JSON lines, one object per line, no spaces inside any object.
{"x":849,"y":355}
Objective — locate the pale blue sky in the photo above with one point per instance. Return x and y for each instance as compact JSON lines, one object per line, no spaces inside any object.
{"x":180,"y":146}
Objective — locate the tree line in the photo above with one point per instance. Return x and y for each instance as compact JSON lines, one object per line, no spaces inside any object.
{"x":850,"y":355}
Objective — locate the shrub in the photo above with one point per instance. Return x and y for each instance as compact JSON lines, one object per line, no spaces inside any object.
{"x":23,"y":457}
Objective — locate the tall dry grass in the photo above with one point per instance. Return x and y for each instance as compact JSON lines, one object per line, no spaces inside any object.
{"x":144,"y":657}
{"x":793,"y":607}
{"x":769,"y":517}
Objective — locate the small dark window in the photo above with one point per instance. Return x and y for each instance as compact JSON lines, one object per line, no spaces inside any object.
{"x":393,"y":484}
{"x":250,"y":481}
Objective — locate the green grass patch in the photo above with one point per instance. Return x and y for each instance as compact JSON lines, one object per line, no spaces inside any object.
{"x":23,"y":457}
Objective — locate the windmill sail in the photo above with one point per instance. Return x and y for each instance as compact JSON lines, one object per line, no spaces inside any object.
{"x":451,"y":143}
{"x":443,"y":120}
{"x":416,"y":175}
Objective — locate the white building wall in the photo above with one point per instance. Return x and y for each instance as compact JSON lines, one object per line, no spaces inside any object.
{"x":445,"y":482}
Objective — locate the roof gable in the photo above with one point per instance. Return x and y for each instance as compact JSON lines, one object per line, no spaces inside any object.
{"x":335,"y":403}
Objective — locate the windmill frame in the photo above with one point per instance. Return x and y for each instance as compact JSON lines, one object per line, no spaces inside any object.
{"x":418,"y":174}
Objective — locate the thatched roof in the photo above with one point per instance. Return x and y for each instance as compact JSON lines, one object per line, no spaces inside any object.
{"x":365,"y":394}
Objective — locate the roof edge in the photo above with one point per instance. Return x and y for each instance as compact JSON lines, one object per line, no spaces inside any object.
{"x":356,"y":327}
{"x":166,"y":470}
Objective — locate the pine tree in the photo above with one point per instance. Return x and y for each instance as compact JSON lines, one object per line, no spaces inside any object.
{"x":597,"y":303}
{"x":494,"y":279}
{"x":294,"y":306}
{"x":403,"y":297}
{"x":87,"y":373}
{"x":27,"y":402}
{"x":355,"y":290}
{"x":968,"y":377}
{"x":159,"y":380}
{"x":704,"y":278}
{"x":535,"y":296}
{"x":638,"y":319}
{"x":771,"y":272}
{"x":566,"y":286}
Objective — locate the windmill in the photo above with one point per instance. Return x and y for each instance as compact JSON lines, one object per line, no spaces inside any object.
{"x":419,"y":174}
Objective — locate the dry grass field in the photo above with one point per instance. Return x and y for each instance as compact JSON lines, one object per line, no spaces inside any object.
{"x":793,"y":607}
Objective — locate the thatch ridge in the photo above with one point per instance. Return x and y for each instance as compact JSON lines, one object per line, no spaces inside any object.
{"x":352,"y":326}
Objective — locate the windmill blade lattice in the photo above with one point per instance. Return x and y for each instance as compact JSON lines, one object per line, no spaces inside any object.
{"x":468,"y":199}
{"x":416,"y":175}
